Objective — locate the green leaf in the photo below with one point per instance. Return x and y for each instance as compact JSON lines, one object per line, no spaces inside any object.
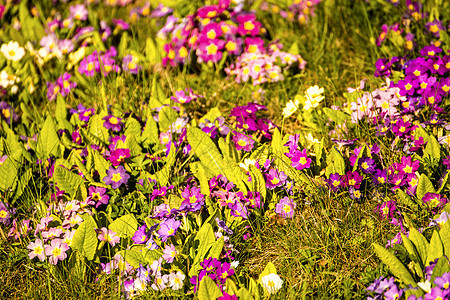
{"x":231,"y":287}
{"x":413,"y":253}
{"x":134,"y":257}
{"x":424,"y":186}
{"x":216,"y":248}
{"x":445,"y":238}
{"x":243,"y":293}
{"x":85,"y":238}
{"x":363,"y":152}
{"x":124,"y":226}
{"x":163,"y":175}
{"x":166,"y":117}
{"x":435,"y":249}
{"x":206,"y":239}
{"x":254,"y":289}
{"x":100,"y":163}
{"x":151,"y":51}
{"x":150,"y":133}
{"x":432,"y":148}
{"x":442,"y":266}
{"x":8,"y":174}
{"x":258,"y":182}
{"x":269,"y":269}
{"x":206,"y":151}
{"x":48,"y":140}
{"x":66,"y":180}
{"x":97,"y":129}
{"x":421,"y":244}
{"x":335,"y":162}
{"x":337,"y":116}
{"x":208,"y":290}
{"x":395,"y":265}
{"x":132,"y":144}
{"x":133,"y":128}
{"x":199,"y":172}
{"x":445,"y":182}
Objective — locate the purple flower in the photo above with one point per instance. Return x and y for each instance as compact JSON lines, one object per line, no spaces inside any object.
{"x":118,"y":156}
{"x":335,"y":182}
{"x":168,"y":228}
{"x":121,"y":24}
{"x":5,"y":213}
{"x":130,"y":64}
{"x":116,"y":177}
{"x":193,"y":199}
{"x":65,"y":84}
{"x":97,"y":196}
{"x":141,"y":235}
{"x":285,"y":207}
{"x":367,"y":165}
{"x":394,"y":293}
{"x":275,"y":178}
{"x":434,"y":201}
{"x":353,"y":179}
{"x":78,"y":12}
{"x":443,"y":282}
{"x":387,"y":209}
{"x":169,"y":253}
{"x":83,"y":113}
{"x":113,"y":123}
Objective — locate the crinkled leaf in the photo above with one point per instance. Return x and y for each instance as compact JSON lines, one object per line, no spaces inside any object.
{"x":8,"y":174}
{"x":424,"y":186}
{"x":48,"y":140}
{"x":66,"y":180}
{"x":445,"y":237}
{"x":133,"y":128}
{"x":85,"y":238}
{"x":335,"y":163}
{"x":150,"y":133}
{"x":208,"y":290}
{"x":394,"y":264}
{"x":435,"y":249}
{"x":421,"y":244}
{"x":205,"y":149}
{"x":124,"y":226}
{"x":205,"y":237}
{"x":166,"y":117}
{"x":258,"y":182}
{"x":97,"y":129}
{"x":337,"y":116}
{"x":442,"y":266}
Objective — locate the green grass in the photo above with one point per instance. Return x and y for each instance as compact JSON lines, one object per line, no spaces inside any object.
{"x":325,"y":251}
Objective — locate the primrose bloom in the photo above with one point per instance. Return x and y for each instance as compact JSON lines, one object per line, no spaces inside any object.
{"x":169,"y":253}
{"x":130,"y":64}
{"x":12,"y":51}
{"x":78,"y":12}
{"x":116,"y":177}
{"x":243,"y":142}
{"x":113,"y":123}
{"x":285,"y":207}
{"x":271,"y":283}
{"x":37,"y":250}
{"x":97,"y":196}
{"x":168,"y":228}
{"x":109,"y":236}
{"x":56,"y":251}
{"x":176,"y":280}
{"x":291,"y":107}
{"x":313,"y":97}
{"x":65,"y":85}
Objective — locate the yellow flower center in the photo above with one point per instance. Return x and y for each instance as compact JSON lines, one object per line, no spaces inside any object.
{"x":6,"y":113}
{"x":431,"y":53}
{"x":211,"y":49}
{"x":445,"y":88}
{"x":249,"y":25}
{"x":183,"y":52}
{"x":170,"y":231}
{"x":90,"y":67}
{"x":113,"y":120}
{"x":38,"y":250}
{"x":3,"y":214}
{"x":287,"y":209}
{"x":252,"y":48}
{"x":416,"y":72}
{"x":303,"y":160}
{"x":242,"y":143}
{"x":352,"y":182}
{"x":434,"y":28}
{"x":275,"y":180}
{"x":56,"y":252}
{"x":116,"y":177}
{"x":423,"y":85}
{"x":407,"y":169}
{"x":171,"y":55}
{"x":96,"y":196}
{"x":211,"y":34}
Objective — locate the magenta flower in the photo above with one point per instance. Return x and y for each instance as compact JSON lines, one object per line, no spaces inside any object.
{"x":116,"y":177}
{"x":335,"y":182}
{"x":285,"y":208}
{"x":118,"y":156}
{"x":434,"y":201}
{"x":83,"y":113}
{"x":248,"y":25}
{"x":168,"y":228}
{"x":65,"y":84}
{"x":274,"y":179}
{"x":141,"y":235}
{"x":121,"y":24}
{"x":113,"y":123}
{"x":56,"y":251}
{"x":210,"y":50}
{"x":299,"y":159}
{"x":242,"y":141}
{"x":109,"y":236}
{"x":130,"y":64}
{"x":97,"y":196}
{"x":5,"y":213}
{"x":193,"y":199}
{"x":353,"y":179}
{"x":89,"y":65}
{"x":387,"y":209}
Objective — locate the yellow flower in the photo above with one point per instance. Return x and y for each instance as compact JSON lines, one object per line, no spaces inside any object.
{"x":12,"y":51}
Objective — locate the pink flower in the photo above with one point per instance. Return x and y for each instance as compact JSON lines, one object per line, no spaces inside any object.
{"x":169,"y":253}
{"x":37,"y":249}
{"x":248,"y":25}
{"x":56,"y":251}
{"x":109,"y":236}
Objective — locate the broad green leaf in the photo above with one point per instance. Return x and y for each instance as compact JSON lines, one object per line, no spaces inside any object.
{"x":151,"y":51}
{"x":269,"y":269}
{"x":234,"y":173}
{"x":8,"y":174}
{"x":208,"y":290}
{"x":124,"y":226}
{"x":97,"y":129}
{"x":445,"y":237}
{"x":432,"y":148}
{"x":150,"y":133}
{"x":151,"y":255}
{"x":258,"y":182}
{"x":336,"y":116}
{"x":442,"y":266}
{"x":254,"y":289}
{"x":206,"y":151}
{"x":77,"y":265}
{"x":48,"y":140}
{"x":66,"y":180}
{"x":413,"y":253}
{"x":206,"y":239}
{"x":163,"y":175}
{"x":134,"y":257}
{"x":231,"y":287}
{"x":100,"y":163}
{"x":85,"y":238}
{"x":243,"y":293}
{"x":435,"y":249}
{"x":395,"y":265}
{"x":133,"y":128}
{"x":16,"y":149}
{"x":200,"y":174}
{"x":166,"y":117}
{"x":421,"y":244}
{"x":132,"y":144}
{"x":424,"y":186}
{"x":335,"y":162}
{"x":216,"y":248}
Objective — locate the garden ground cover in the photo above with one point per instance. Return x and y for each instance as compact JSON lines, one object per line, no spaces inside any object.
{"x":225,"y":150}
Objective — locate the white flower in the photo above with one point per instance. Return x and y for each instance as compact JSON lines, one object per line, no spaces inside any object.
{"x":176,"y":280}
{"x":12,"y":51}
{"x":425,"y":286}
{"x":291,"y":107}
{"x":246,"y":164}
{"x":313,"y":96}
{"x":6,"y":79}
{"x":234,"y":264}
{"x":271,"y":283}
